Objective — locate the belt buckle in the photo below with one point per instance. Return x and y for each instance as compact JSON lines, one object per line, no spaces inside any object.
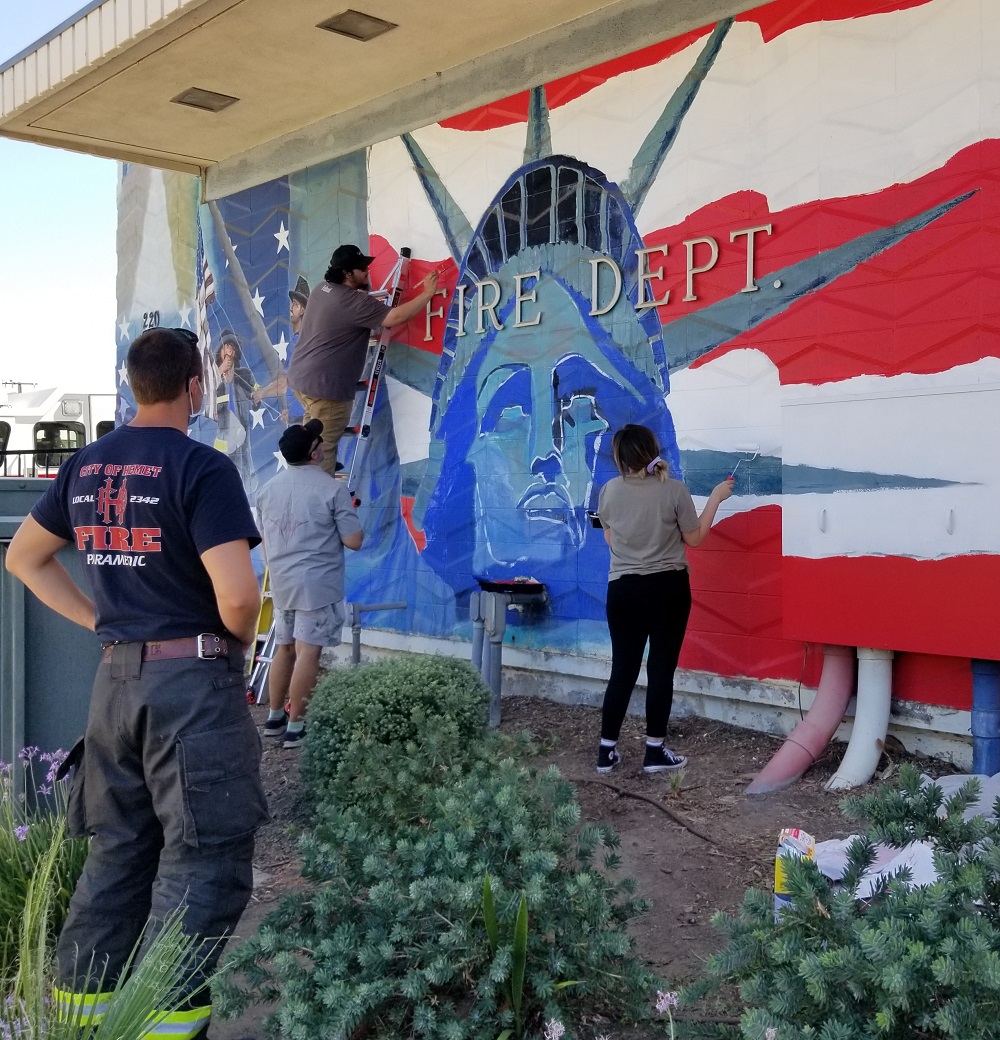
{"x":203,"y":655}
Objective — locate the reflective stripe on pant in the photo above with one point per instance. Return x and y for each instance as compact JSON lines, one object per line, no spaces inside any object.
{"x":334,"y":415}
{"x":85,"y":1009}
{"x":169,"y":788}
{"x":81,"y":1008}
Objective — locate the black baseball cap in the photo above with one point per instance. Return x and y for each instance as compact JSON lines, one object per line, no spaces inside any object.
{"x":350,"y":258}
{"x":297,"y":442}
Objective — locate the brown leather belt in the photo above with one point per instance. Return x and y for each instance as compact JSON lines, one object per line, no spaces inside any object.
{"x":206,"y":646}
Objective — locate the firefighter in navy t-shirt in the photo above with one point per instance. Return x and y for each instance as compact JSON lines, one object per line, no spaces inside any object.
{"x":167,"y":780}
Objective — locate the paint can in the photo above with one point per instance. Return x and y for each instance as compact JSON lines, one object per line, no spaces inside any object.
{"x":791,"y":842}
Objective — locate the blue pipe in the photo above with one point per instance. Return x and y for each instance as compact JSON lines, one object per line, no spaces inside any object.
{"x":986,"y":717}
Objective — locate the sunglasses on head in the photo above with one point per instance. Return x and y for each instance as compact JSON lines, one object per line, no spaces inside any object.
{"x":187,"y":335}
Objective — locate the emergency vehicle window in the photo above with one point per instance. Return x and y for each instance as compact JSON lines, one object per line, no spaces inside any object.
{"x":54,"y":443}
{"x":104,"y":426}
{"x":59,"y":436}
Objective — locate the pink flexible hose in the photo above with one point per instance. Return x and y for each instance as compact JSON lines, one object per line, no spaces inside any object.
{"x":806,"y":742}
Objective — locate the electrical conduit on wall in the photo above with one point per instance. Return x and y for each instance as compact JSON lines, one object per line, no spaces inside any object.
{"x":806,"y":742}
{"x":986,"y":717}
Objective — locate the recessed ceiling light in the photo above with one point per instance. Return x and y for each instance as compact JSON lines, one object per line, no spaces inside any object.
{"x":357,"y":26}
{"x":206,"y":100}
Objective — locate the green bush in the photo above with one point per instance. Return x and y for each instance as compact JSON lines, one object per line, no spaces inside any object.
{"x":393,"y":937}
{"x":907,"y":963}
{"x":413,"y":720}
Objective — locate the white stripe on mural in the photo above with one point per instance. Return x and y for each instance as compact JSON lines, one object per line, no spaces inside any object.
{"x":729,"y":403}
{"x":825,"y":110}
{"x":473,"y":166}
{"x":942,"y":425}
{"x":411,"y":411}
{"x":931,"y":524}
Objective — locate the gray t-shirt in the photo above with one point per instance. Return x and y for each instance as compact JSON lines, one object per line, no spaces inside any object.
{"x":330,"y":354}
{"x":303,"y":514}
{"x":646,"y":519}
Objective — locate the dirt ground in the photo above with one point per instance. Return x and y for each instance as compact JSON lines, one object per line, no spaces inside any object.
{"x":693,"y":843}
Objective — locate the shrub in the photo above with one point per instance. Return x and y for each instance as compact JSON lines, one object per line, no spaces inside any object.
{"x":32,"y":816}
{"x":909,"y":962}
{"x":393,"y":937}
{"x":413,"y":720}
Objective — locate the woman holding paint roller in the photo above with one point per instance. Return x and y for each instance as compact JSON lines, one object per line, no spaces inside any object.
{"x":648,"y":519}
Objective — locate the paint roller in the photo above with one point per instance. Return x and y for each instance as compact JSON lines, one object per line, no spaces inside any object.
{"x":751,"y":450}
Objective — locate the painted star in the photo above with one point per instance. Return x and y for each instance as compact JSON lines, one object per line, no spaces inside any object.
{"x":258,"y":302}
{"x":123,"y":325}
{"x":258,"y":418}
{"x":231,"y":246}
{"x":122,"y":409}
{"x":185,"y":313}
{"x":282,"y":464}
{"x":282,"y":348}
{"x":282,"y":236}
{"x":123,"y":375}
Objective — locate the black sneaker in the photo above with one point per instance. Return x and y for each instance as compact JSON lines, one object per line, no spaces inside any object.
{"x":660,"y":759}
{"x":276,"y":727}
{"x":295,"y":740}
{"x":608,"y":758}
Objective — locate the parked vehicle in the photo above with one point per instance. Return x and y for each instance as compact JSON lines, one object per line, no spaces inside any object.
{"x":40,"y":429}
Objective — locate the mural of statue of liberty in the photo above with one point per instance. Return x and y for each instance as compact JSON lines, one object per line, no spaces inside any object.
{"x":527,"y":393}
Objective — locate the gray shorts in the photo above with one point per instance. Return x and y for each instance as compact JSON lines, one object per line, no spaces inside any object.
{"x":320,"y":627}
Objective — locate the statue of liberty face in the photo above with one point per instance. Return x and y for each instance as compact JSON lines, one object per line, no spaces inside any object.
{"x":524,"y":434}
{"x":545,"y":408}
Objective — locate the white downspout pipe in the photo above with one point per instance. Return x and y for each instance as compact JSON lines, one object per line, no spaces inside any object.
{"x":871,"y":720}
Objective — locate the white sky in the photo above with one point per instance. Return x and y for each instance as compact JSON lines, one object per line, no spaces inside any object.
{"x":57,"y":246}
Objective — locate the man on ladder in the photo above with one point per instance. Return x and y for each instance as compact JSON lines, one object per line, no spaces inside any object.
{"x":330,"y":356}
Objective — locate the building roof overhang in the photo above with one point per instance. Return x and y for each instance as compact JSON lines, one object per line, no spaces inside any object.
{"x":104,"y":82}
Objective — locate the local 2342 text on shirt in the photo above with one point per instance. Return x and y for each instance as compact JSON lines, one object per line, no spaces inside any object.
{"x":141,"y":505}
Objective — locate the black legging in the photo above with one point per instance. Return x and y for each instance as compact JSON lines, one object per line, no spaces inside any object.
{"x":643,"y":607}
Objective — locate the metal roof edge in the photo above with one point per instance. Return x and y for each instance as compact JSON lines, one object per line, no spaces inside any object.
{"x":51,"y":35}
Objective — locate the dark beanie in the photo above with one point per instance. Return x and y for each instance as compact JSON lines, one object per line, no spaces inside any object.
{"x":297,"y":442}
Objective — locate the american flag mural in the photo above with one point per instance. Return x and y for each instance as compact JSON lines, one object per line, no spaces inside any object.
{"x":775,"y":240}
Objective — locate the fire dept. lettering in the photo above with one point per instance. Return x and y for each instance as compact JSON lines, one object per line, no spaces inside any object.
{"x":118,"y":539}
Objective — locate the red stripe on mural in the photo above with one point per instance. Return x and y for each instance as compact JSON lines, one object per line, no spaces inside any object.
{"x":759,"y":615}
{"x":782,"y":15}
{"x":943,"y":607}
{"x":735,"y":627}
{"x":927,"y":304}
{"x":414,"y":331}
{"x":773,"y":20}
{"x":406,"y":509}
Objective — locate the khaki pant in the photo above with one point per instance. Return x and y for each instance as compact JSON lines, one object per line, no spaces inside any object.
{"x":334,"y":415}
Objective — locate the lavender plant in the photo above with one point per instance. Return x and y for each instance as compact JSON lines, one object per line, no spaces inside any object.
{"x":33,"y":805}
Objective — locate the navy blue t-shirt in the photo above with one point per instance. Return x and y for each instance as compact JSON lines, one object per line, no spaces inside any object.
{"x":141,"y":505}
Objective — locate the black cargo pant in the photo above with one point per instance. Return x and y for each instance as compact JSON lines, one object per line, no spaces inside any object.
{"x":168,"y":787}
